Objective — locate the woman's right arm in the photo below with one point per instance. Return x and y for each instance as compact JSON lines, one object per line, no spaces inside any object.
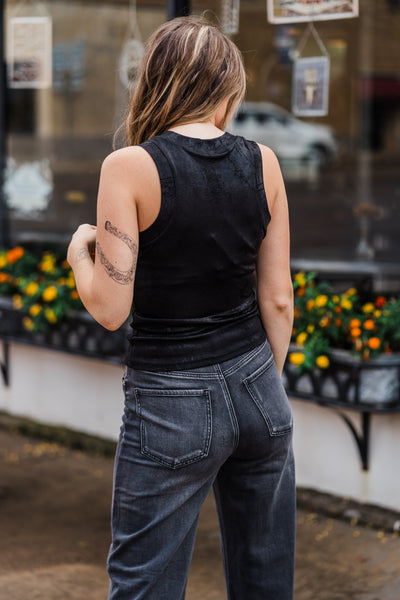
{"x":274,"y":282}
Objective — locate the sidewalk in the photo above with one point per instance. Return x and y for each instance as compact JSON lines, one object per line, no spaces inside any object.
{"x":54,"y":536}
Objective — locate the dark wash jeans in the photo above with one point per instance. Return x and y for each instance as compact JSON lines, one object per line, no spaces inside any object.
{"x":228,"y":426}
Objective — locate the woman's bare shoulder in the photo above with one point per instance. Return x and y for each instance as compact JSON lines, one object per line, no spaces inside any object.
{"x":130,"y":156}
{"x":269,"y":157}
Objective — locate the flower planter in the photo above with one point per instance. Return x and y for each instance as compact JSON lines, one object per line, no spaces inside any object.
{"x":78,"y":334}
{"x":10,"y":319}
{"x":348,"y":380}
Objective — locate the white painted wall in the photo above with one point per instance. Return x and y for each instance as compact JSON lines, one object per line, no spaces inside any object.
{"x":86,"y":395}
{"x":62,"y":389}
{"x":327,"y":457}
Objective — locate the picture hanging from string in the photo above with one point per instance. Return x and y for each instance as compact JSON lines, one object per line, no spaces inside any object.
{"x":29,"y":47}
{"x":132,"y":51}
{"x":230,"y":10}
{"x":297,"y":11}
{"x":310,"y":83}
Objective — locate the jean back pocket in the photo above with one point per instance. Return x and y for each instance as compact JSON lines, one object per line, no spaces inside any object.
{"x":175,"y":425}
{"x":266,"y":390}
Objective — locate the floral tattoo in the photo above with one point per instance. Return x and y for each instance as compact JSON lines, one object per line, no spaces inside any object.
{"x":122,"y":277}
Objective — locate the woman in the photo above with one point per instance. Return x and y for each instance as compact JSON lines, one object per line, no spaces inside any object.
{"x":204,"y":403}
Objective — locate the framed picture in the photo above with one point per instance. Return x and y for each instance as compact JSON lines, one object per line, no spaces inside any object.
{"x":296,"y":11}
{"x":310,"y":86}
{"x":29,"y":52}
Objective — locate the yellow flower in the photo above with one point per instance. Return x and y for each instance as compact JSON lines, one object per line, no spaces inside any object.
{"x":321,"y":301}
{"x":351,"y":292}
{"x":300,"y":279}
{"x":335,"y":299}
{"x":310,"y":328}
{"x":28,"y":323}
{"x":296,"y":358}
{"x":70,"y":281}
{"x":322,"y":361}
{"x":377,"y":313}
{"x":35,"y":310}
{"x":3,"y":261}
{"x":50,"y":315}
{"x":368,"y":308}
{"x":31,"y":289}
{"x":346,"y":304}
{"x":301,"y":338}
{"x":47,"y":267}
{"x":50,"y":293}
{"x":17,"y":302}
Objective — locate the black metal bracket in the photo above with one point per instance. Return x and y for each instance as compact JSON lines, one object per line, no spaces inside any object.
{"x":362,"y":439}
{"x":5,"y":363}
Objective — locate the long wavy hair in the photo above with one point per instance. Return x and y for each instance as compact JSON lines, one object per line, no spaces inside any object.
{"x":189,"y":68}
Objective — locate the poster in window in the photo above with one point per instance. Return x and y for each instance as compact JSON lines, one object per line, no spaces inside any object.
{"x":296,"y":11}
{"x":29,"y":52}
{"x":310,"y":86}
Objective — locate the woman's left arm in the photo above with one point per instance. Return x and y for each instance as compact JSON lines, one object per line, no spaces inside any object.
{"x":105,"y":285}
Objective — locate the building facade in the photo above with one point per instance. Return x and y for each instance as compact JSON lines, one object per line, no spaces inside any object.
{"x":342,"y":178}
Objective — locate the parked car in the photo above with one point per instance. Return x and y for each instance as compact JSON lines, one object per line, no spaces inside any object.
{"x":287,"y":136}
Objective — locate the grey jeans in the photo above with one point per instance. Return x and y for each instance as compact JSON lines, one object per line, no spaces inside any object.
{"x":228,"y":426}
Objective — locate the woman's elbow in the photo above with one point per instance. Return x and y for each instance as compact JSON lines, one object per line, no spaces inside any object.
{"x":112,"y":322}
{"x":279,"y":303}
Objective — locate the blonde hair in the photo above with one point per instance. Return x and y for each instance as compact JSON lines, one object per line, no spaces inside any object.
{"x":189,"y":68}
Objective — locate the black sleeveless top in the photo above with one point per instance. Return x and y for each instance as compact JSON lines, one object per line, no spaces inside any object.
{"x":194,"y":299}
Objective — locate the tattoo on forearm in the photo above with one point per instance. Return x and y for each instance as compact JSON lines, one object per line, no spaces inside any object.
{"x":83,"y":254}
{"x":122,"y":277}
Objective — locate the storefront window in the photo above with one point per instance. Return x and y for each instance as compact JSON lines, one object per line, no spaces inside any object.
{"x":341,"y":169}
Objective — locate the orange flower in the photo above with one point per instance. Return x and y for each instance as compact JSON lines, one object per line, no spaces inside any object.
{"x":301,"y":291}
{"x":380,"y":302}
{"x":338,"y":309}
{"x":369,"y":324}
{"x":324,"y":322}
{"x":338,"y":322}
{"x":374,"y":343}
{"x":355,"y":323}
{"x":3,"y":277}
{"x":310,"y":304}
{"x":355,"y":332}
{"x":74,"y":295}
{"x":14,"y":254}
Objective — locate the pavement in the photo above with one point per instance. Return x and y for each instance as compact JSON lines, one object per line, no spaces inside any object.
{"x":54,"y":534}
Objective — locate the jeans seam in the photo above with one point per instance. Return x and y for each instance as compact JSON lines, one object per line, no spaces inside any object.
{"x":229,"y":406}
{"x":244,"y":360}
{"x":223,"y":538}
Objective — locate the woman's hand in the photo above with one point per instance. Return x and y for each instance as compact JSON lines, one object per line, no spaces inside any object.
{"x":83,"y":244}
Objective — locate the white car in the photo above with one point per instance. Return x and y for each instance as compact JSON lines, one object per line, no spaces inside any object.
{"x":288,"y":137}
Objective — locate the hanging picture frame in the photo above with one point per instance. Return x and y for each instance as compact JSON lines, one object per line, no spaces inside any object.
{"x":311,"y":86}
{"x":133,"y":50}
{"x":230,"y":11}
{"x":29,"y":52}
{"x":297,"y":11}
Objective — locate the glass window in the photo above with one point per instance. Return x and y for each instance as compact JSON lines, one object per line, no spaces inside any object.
{"x":341,"y":170}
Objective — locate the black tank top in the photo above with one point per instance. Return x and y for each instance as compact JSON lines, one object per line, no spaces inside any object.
{"x":194,"y":299}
